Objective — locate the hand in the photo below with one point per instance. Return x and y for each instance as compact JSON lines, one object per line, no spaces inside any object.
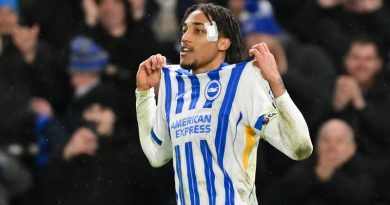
{"x":343,"y":94}
{"x":91,"y":12}
{"x":274,"y":46}
{"x":326,"y":166}
{"x":149,"y":72}
{"x":369,"y":6}
{"x":26,"y":40}
{"x":41,"y":106}
{"x":268,"y":68}
{"x":329,"y":3}
{"x":83,"y":141}
{"x":358,"y":101}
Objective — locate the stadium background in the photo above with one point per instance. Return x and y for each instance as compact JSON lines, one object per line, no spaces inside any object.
{"x":68,"y":131}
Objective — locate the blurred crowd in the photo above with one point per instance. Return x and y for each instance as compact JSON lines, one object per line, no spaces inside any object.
{"x":68,"y":129}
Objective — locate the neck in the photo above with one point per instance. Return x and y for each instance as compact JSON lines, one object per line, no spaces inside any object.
{"x":117,"y":31}
{"x":210,"y":66}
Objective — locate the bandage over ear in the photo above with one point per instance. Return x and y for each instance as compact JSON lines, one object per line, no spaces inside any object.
{"x":212,"y":31}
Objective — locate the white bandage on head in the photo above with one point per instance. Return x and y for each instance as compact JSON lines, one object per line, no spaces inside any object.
{"x":212,"y":31}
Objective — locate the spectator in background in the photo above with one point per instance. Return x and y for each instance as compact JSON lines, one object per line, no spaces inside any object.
{"x":305,"y":68}
{"x":14,"y":178}
{"x":100,"y":164}
{"x":24,"y":72}
{"x":87,"y":60}
{"x":306,"y":71}
{"x":337,"y":175}
{"x":333,"y":23}
{"x":165,"y":26}
{"x":362,"y":97}
{"x":128,"y":41}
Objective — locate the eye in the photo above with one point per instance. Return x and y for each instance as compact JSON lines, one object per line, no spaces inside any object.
{"x":199,"y":31}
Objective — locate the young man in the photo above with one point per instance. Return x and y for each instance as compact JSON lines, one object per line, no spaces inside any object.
{"x":209,"y":119}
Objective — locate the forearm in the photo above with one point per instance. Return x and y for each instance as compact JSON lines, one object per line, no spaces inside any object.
{"x":277,"y":87}
{"x":291,"y":127}
{"x":157,"y":152}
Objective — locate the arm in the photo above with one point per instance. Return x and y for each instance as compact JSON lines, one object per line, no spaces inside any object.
{"x":284,"y":128}
{"x":156,"y":150}
{"x":152,"y":126}
{"x":287,"y":130}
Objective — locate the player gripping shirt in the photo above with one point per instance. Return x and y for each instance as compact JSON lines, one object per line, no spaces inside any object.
{"x":211,"y":124}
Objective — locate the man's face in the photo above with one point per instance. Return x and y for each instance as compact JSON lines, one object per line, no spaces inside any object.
{"x":112,"y":13}
{"x":103,"y":116}
{"x":81,"y":79}
{"x":236,"y":6}
{"x":137,"y":4}
{"x":362,"y":62}
{"x":8,"y":20}
{"x":196,"y":51}
{"x":336,"y":143}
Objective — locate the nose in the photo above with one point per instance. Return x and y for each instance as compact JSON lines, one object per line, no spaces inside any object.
{"x":185,"y":38}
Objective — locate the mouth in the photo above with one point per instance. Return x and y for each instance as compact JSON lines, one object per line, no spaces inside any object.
{"x":185,"y":50}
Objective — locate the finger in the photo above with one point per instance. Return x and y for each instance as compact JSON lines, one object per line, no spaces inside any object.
{"x":255,"y":46}
{"x":262,"y":48}
{"x":255,"y":53}
{"x":164,"y":60}
{"x":265,"y":47}
{"x":148,"y":66}
{"x":154,"y":63}
{"x":159,"y":61}
{"x":252,"y":51}
{"x":35,"y":29}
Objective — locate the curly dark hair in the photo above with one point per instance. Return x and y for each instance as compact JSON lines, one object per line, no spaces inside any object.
{"x":228,"y":27}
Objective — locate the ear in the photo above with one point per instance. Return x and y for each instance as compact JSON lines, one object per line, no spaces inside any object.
{"x":223,"y":44}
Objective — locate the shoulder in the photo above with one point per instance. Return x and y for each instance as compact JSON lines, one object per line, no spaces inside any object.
{"x":174,"y":70}
{"x":250,"y":73}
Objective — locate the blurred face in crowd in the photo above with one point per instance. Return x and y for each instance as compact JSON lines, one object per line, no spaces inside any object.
{"x":362,"y":6}
{"x":197,"y":53}
{"x":137,"y":4}
{"x":363,"y":63}
{"x":112,"y":13}
{"x":336,"y":142}
{"x":8,"y":20}
{"x":103,"y":116}
{"x":82,"y":79}
{"x":236,"y":6}
{"x":274,"y":46}
{"x":355,"y":6}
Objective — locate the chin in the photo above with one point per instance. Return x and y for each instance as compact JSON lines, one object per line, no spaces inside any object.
{"x":186,"y":65}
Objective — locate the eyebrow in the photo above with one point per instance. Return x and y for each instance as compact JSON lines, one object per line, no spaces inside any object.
{"x":194,"y":23}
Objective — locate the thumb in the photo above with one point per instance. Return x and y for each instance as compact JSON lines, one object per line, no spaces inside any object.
{"x":35,"y":29}
{"x":252,"y":52}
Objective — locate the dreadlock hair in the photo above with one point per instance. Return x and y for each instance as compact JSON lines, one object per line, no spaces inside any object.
{"x":227,"y":25}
